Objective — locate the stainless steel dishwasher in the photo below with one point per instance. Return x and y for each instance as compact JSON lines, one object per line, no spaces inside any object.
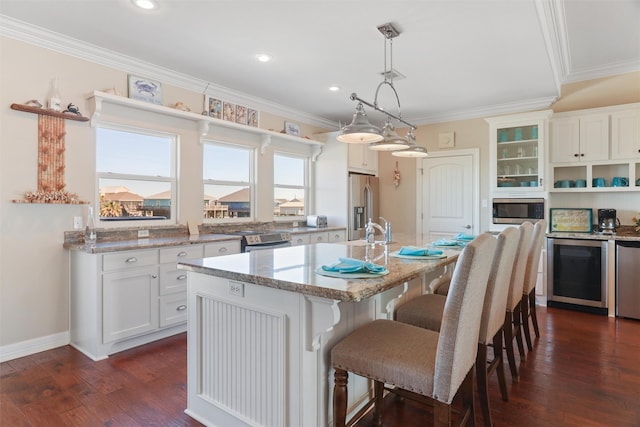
{"x":628,"y":279}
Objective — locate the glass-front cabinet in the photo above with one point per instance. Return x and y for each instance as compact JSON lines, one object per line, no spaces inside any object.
{"x":517,"y":151}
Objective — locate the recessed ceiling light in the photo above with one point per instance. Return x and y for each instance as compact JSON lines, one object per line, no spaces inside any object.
{"x":335,"y":88}
{"x":264,"y":57}
{"x":145,"y":4}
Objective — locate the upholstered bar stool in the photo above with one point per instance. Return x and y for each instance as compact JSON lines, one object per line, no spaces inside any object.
{"x":512,"y":317}
{"x":426,"y":311}
{"x":530,"y":278}
{"x":419,"y":363}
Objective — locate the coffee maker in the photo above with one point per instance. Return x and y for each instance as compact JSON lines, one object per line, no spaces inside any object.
{"x":607,"y":221}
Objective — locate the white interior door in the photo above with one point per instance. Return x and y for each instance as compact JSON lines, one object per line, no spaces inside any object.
{"x":449,"y":195}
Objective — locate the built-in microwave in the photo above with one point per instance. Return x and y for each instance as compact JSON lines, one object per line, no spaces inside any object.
{"x":517,"y":211}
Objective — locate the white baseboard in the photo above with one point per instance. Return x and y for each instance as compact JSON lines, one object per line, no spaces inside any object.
{"x":36,"y":345}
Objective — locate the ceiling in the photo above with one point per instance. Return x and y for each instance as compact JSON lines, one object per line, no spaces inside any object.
{"x":461,"y":59}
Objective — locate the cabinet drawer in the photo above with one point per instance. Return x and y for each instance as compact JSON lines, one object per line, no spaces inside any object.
{"x":318,"y":237}
{"x":173,"y":309}
{"x":180,"y":253}
{"x":222,"y":248}
{"x":337,"y":236}
{"x":172,"y":280}
{"x":299,"y":239}
{"x":129,"y":259}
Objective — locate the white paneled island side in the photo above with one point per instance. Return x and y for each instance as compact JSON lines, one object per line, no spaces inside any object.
{"x":261,"y":326}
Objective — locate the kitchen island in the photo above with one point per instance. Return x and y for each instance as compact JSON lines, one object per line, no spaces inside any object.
{"x":261,"y":326}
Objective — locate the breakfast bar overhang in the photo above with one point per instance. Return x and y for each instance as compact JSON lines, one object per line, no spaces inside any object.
{"x":261,"y":326}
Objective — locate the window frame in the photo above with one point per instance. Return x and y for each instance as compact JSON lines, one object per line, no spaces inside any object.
{"x":251,"y":184}
{"x":305,"y":187}
{"x":172,"y":180}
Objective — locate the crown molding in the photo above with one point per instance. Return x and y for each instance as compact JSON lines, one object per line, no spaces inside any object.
{"x":488,"y":111}
{"x":24,"y":32}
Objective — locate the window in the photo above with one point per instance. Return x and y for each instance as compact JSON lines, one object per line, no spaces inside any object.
{"x":136,"y":174}
{"x":228,"y":181}
{"x":290,"y":189}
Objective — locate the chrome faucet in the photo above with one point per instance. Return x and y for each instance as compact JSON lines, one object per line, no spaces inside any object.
{"x":386,"y":231}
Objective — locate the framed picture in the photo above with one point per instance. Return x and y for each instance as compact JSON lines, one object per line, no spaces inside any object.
{"x":241,"y":114}
{"x":213,"y":107}
{"x":144,"y":89}
{"x":571,"y":220}
{"x":229,"y":111}
{"x":291,"y":129}
{"x":253,"y":117}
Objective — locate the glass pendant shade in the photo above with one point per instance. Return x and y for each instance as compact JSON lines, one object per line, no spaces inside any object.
{"x":360,"y":131}
{"x":414,"y":149}
{"x":391,"y":141}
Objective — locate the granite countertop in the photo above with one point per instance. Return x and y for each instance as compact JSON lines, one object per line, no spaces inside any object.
{"x":147,"y":243}
{"x":115,"y":242}
{"x":626,"y":232}
{"x":293,"y":268}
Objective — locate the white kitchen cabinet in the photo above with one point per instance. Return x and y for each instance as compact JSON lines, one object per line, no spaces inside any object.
{"x":609,"y":138}
{"x":625,"y":134}
{"x":361,"y":159}
{"x":222,"y":248}
{"x":173,"y":280}
{"x":582,"y":138}
{"x":517,"y":145}
{"x":120,"y":300}
{"x":129,"y":303}
{"x":337,"y":236}
{"x":299,"y":239}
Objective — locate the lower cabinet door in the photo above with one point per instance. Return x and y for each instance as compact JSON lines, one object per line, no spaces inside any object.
{"x":173,"y":309}
{"x":129,"y":303}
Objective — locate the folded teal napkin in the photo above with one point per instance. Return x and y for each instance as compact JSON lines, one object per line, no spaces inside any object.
{"x":413,"y":251}
{"x":350,"y":265}
{"x":445,"y":242}
{"x":463,"y":236}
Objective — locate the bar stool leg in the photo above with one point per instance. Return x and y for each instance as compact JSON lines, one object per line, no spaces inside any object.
{"x":340,"y":379}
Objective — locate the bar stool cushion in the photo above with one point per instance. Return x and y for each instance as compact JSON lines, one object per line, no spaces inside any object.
{"x":396,"y":353}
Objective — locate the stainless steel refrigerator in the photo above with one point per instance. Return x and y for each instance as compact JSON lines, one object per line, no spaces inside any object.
{"x":363,"y":204}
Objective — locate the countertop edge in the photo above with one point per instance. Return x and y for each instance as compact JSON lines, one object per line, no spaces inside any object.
{"x":376,"y":285}
{"x":151,"y":243}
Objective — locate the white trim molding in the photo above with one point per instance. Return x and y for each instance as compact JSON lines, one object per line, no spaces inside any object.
{"x":36,"y":345}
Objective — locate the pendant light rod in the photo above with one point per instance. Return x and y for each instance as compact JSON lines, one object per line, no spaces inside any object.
{"x":354,"y":97}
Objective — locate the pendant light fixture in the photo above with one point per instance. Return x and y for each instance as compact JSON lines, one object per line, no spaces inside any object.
{"x":414,"y":149}
{"x":360,"y":130}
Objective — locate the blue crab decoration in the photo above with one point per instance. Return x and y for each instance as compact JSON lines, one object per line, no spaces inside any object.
{"x":73,"y":109}
{"x":144,"y":86}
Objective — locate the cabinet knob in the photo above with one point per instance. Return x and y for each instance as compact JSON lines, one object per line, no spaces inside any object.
{"x":154,"y":276}
{"x":131,"y":260}
{"x":576,"y":155}
{"x":181,"y":254}
{"x":223,"y":249}
{"x":581,"y":154}
{"x":182,"y":307}
{"x":182,"y":277}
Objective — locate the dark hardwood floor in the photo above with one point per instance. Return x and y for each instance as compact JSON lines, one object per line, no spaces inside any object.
{"x":583,"y":371}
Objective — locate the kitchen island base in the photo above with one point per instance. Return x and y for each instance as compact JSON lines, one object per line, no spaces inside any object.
{"x":259,"y":356}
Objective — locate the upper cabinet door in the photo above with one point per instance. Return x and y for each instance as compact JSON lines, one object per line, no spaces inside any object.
{"x":625,"y":135}
{"x":361,"y":159}
{"x":580,"y":139}
{"x":564,"y":144}
{"x":594,"y":138}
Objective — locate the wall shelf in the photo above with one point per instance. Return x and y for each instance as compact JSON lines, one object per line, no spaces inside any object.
{"x":203,"y":122}
{"x":44,"y":111}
